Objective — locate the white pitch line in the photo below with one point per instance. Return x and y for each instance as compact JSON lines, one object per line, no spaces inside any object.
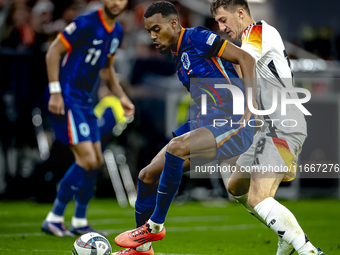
{"x":175,"y":254}
{"x":23,"y":250}
{"x":168,"y":229}
{"x":120,"y":221}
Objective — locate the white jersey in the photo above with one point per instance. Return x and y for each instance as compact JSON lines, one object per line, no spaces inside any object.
{"x":264,"y":43}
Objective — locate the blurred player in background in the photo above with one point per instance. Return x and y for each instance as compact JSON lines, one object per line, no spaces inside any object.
{"x":90,"y":41}
{"x":198,"y":53}
{"x":275,"y":144}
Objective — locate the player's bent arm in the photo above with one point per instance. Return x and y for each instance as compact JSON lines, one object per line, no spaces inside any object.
{"x":56,"y":102}
{"x":247,"y":63}
{"x":53,"y":59}
{"x":108,"y":74}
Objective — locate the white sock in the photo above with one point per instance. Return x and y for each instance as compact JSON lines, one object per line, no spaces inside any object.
{"x":52,"y":217}
{"x":155,"y":227}
{"x":244,"y":200}
{"x":284,"y":224}
{"x":79,"y":222}
{"x":144,"y":247}
{"x":307,"y":248}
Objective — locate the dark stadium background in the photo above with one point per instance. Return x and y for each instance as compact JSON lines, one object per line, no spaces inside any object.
{"x":311,"y":33}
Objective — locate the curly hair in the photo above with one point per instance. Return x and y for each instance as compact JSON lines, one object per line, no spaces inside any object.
{"x":163,"y":7}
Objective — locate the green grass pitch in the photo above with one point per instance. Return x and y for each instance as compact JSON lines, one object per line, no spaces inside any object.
{"x":193,"y":228}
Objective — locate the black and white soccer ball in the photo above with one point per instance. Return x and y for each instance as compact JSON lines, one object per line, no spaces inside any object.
{"x":92,"y":244}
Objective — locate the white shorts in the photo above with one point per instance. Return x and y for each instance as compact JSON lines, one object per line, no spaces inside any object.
{"x":273,"y":154}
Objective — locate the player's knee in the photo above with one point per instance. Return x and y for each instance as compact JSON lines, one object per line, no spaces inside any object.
{"x":147,"y":176}
{"x":231,"y":187}
{"x":100,"y":161}
{"x":178,"y":146}
{"x":238,"y":187}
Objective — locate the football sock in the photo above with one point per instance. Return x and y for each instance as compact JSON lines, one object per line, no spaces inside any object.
{"x":145,"y":203}
{"x":244,"y":200}
{"x":284,"y":224}
{"x":79,"y":222}
{"x":68,"y":186}
{"x":84,"y":194}
{"x":168,"y":186}
{"x":144,"y":247}
{"x":307,"y":248}
{"x":155,"y":227}
{"x":51,"y":217}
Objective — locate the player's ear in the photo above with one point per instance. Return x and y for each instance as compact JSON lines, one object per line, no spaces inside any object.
{"x":240,"y":13}
{"x":174,"y":23}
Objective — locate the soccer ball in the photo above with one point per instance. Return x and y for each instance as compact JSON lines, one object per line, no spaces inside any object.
{"x":92,"y":244}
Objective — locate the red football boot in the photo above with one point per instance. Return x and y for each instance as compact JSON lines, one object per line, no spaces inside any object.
{"x":130,"y":251}
{"x":138,"y":236}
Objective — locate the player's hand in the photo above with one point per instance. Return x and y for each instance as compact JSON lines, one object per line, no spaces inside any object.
{"x":56,"y":104}
{"x":129,"y":108}
{"x":247,"y":115}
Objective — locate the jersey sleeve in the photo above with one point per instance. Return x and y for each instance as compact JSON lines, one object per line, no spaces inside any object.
{"x":207,"y":42}
{"x":73,"y":32}
{"x":252,"y":42}
{"x":117,"y":40}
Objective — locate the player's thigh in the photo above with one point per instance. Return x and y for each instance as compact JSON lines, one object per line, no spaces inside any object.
{"x":231,"y":141}
{"x":196,"y":143}
{"x":79,"y":123}
{"x":152,"y":172}
{"x":85,"y":155}
{"x":277,"y":154}
{"x":95,"y":135}
{"x":98,"y":151}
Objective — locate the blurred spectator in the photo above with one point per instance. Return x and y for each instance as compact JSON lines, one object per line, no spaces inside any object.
{"x":94,"y":5}
{"x":3,"y":11}
{"x":68,"y":14}
{"x":18,"y":32}
{"x":42,"y":15}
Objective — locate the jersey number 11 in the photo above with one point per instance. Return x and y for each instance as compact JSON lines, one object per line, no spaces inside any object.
{"x":94,"y":55}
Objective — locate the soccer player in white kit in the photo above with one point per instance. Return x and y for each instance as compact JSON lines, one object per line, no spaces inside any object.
{"x":279,"y":141}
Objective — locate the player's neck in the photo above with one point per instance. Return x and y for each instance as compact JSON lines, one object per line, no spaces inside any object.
{"x":248,"y":21}
{"x":178,"y":35}
{"x":109,"y":18}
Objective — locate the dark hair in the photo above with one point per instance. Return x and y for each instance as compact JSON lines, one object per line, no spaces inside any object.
{"x":228,"y":5}
{"x":163,"y":7}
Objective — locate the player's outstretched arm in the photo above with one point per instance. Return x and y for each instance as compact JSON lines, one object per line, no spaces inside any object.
{"x":108,"y":74}
{"x":56,"y":101}
{"x":234,"y":54}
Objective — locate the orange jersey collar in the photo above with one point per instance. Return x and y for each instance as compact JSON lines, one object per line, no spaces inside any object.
{"x":105,"y":24}
{"x":179,"y":41}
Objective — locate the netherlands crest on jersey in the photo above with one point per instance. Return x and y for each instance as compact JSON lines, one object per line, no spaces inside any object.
{"x":114,"y":45}
{"x":185,"y":60}
{"x":211,"y":39}
{"x":71,"y":28}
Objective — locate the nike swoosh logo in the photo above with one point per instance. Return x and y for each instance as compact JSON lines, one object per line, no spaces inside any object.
{"x":160,"y":192}
{"x":96,"y":42}
{"x":74,"y":188}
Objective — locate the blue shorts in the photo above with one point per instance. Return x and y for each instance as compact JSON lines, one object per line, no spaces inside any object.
{"x":230,"y":141}
{"x":79,"y":124}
